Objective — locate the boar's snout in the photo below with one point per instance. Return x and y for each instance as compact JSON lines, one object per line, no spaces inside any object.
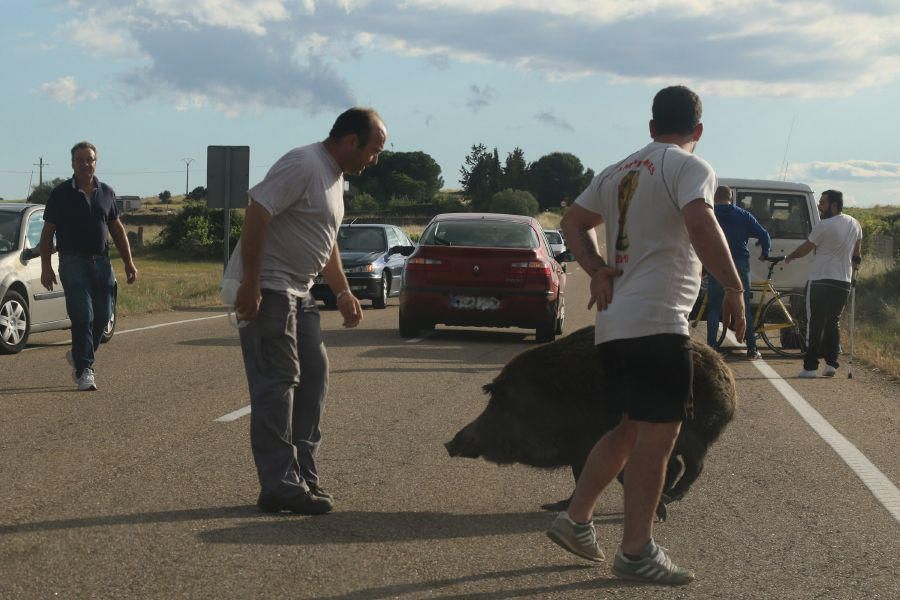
{"x":463,"y":444}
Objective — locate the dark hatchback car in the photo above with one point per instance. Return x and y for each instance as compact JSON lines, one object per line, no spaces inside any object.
{"x":374,"y":257}
{"x":25,"y":306}
{"x":486,"y":270}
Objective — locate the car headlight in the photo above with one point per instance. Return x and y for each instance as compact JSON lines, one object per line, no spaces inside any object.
{"x":360,"y":269}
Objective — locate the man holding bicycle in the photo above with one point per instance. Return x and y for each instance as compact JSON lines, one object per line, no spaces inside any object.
{"x":739,"y":225}
{"x":837,"y":240}
{"x":656,"y":205}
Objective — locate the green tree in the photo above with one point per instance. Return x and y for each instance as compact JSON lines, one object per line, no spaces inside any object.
{"x":415,"y":175}
{"x":515,"y":170}
{"x":557,"y":177}
{"x":199,"y":231}
{"x":363,"y":203}
{"x":198,"y":193}
{"x":41,"y":193}
{"x":514,"y":202}
{"x":480,"y":176}
{"x":165,"y":196}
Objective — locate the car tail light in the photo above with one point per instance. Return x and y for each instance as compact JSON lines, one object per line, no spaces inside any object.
{"x":534,"y":271}
{"x":420,"y":264}
{"x":533,"y":266}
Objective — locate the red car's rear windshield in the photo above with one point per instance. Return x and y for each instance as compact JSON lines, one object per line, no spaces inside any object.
{"x":491,"y":234}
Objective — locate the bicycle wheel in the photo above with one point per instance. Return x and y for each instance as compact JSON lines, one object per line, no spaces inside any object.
{"x":785,"y":332}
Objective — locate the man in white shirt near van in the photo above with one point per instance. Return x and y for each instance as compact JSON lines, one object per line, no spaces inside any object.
{"x":289,"y":235}
{"x":657,"y":206}
{"x":837,"y":240}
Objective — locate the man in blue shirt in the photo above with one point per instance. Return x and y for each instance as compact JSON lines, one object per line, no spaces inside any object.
{"x":81,"y":212}
{"x":738,"y":225}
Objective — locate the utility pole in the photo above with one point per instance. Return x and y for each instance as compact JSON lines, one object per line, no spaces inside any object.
{"x":187,"y":174}
{"x":41,"y":164}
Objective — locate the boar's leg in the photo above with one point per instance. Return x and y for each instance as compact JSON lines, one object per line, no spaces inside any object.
{"x":693,"y":466}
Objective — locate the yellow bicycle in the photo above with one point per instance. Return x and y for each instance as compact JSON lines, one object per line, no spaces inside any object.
{"x":779,"y":319}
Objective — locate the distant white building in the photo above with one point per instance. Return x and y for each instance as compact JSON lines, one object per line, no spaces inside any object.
{"x":127,"y":203}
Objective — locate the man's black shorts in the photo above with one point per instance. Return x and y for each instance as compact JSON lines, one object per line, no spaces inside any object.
{"x":649,"y":378}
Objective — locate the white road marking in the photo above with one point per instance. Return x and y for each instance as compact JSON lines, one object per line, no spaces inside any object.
{"x":124,"y":331}
{"x":234,"y":416}
{"x":170,"y":323}
{"x":880,"y":486}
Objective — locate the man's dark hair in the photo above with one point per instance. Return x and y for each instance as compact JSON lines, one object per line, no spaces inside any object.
{"x":723,"y":194}
{"x":835,"y":197}
{"x":83,"y":145}
{"x":359,"y":121}
{"x":676,"y":110}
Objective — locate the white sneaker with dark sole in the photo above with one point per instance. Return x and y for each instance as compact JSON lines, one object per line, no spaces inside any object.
{"x":86,"y":382}
{"x":578,"y":538}
{"x":654,"y":566}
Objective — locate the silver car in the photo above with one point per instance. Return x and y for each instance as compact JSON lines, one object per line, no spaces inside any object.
{"x":26,"y":307}
{"x":556,"y":241}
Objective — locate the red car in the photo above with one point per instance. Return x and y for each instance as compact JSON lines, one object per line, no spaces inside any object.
{"x":486,"y":270}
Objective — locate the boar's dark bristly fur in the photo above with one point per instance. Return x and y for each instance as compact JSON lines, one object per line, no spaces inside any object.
{"x":547,"y":409}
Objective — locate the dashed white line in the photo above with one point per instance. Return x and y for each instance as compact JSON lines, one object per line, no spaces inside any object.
{"x":881,"y":487}
{"x":234,"y":416}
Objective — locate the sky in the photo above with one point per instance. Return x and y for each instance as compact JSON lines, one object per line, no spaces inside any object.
{"x":805,"y":90}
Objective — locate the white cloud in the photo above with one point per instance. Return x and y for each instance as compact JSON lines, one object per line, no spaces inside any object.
{"x":66,"y":91}
{"x":845,"y":171}
{"x":807,"y":48}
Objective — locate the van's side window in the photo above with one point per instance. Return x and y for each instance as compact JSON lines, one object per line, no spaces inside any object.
{"x":783,"y":215}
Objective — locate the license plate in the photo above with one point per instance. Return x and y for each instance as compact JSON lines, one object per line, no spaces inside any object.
{"x":474,"y":303}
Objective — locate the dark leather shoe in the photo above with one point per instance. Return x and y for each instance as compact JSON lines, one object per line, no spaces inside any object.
{"x":318,"y":491}
{"x":304,"y":503}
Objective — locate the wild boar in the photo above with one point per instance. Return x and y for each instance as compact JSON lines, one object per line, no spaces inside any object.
{"x":546,"y":409}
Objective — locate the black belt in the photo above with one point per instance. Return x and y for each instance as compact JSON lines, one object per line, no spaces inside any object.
{"x":83,"y":254}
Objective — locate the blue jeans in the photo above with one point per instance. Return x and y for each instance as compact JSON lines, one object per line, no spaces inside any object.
{"x":89,"y":285}
{"x":715,"y":295}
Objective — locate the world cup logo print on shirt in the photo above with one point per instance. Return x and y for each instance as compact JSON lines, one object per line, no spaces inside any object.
{"x":627,"y":187}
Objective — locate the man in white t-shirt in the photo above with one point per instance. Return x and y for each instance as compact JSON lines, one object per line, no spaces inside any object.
{"x":289,"y":236}
{"x":836,"y":240}
{"x":657,"y":206}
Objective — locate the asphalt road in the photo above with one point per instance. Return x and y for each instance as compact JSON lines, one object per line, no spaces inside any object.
{"x":137,"y":491}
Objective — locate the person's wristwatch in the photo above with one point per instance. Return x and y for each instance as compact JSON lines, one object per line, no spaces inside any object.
{"x":341,"y":294}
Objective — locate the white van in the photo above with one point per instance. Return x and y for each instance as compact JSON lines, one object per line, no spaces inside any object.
{"x":788,"y":211}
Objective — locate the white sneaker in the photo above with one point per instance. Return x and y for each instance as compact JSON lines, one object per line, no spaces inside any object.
{"x":829,"y":371}
{"x":86,"y":381}
{"x":804,"y":374}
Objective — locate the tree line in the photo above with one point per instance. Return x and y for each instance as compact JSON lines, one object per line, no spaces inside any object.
{"x":410,"y":182}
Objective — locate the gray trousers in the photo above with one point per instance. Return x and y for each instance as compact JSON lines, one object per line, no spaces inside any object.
{"x":287,"y":372}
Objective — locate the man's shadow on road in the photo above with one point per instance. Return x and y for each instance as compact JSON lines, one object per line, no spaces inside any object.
{"x":362,"y":527}
{"x":340,"y":527}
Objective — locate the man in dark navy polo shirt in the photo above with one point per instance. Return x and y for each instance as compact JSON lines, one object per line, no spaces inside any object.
{"x":82,"y":213}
